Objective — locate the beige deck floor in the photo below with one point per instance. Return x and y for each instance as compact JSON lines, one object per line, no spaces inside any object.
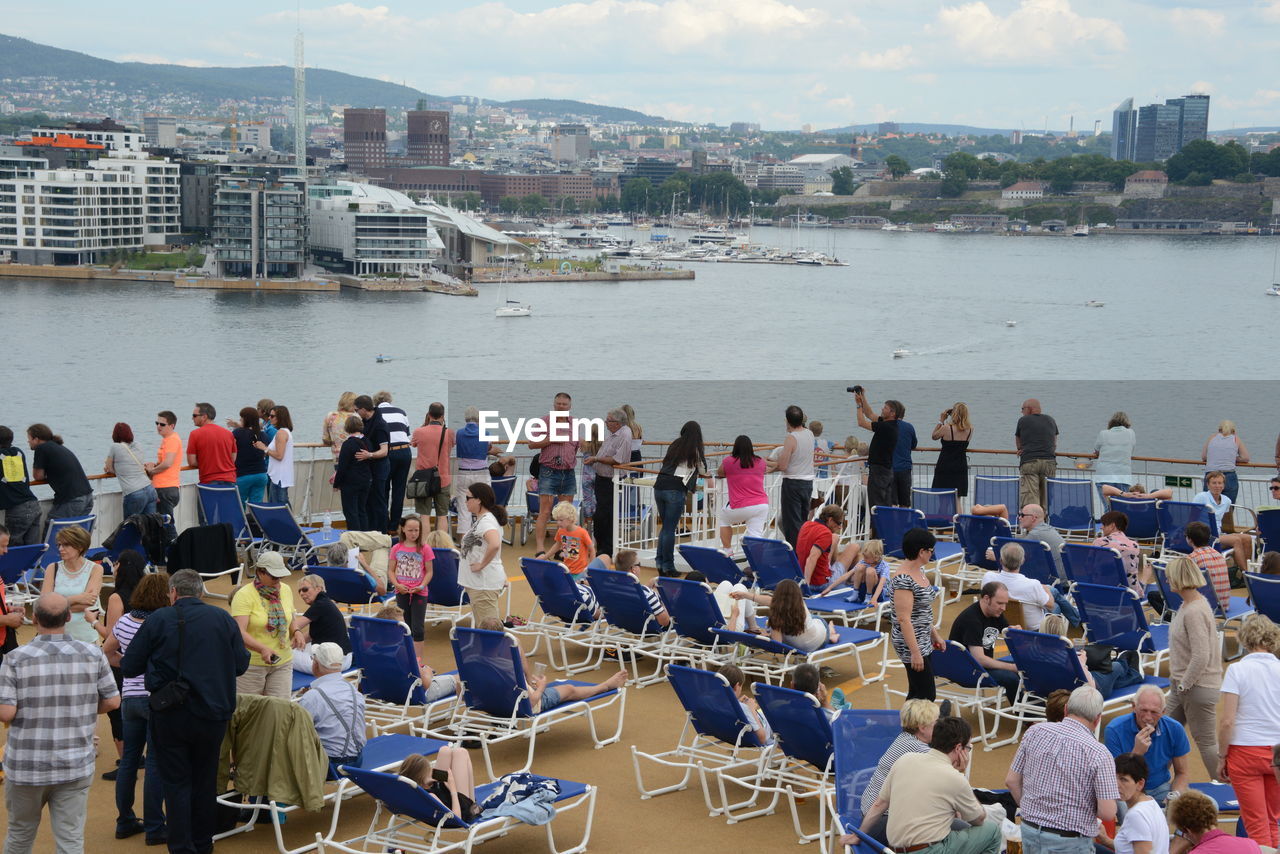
{"x":623,"y":822}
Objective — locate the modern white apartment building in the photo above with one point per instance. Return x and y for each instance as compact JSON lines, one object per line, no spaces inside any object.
{"x":161,"y":188}
{"x":115,"y":137}
{"x":360,"y":228}
{"x":71,"y":216}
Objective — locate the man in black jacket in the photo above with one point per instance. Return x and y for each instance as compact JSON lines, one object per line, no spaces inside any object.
{"x":202,"y":645}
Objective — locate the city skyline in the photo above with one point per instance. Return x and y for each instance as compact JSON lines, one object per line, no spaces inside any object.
{"x":782,"y":63}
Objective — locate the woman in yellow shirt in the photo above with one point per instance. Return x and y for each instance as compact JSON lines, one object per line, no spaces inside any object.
{"x":264,"y":610}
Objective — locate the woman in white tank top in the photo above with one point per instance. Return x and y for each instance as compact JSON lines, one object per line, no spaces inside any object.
{"x":279,"y":457}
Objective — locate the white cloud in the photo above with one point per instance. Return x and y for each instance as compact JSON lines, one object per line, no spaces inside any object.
{"x":1203,"y":87}
{"x":154,"y":59}
{"x":1271,"y":11}
{"x":1198,"y":22}
{"x":890,"y":59}
{"x":1036,"y":31}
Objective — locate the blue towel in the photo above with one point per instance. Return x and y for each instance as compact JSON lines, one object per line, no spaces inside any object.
{"x":523,"y":796}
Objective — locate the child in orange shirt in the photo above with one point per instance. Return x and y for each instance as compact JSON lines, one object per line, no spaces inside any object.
{"x":573,"y":545}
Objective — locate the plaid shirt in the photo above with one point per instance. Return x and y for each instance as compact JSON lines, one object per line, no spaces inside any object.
{"x":56,"y":683}
{"x":1214,"y":565}
{"x":1065,"y":772}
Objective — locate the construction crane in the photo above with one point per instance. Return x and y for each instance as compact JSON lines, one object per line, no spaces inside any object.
{"x":233,"y":122}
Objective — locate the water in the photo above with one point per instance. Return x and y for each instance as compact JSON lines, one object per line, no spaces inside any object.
{"x":1185,"y":339}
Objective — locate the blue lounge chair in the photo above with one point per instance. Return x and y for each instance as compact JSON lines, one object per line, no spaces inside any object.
{"x":861,"y":738}
{"x":51,"y":556}
{"x":126,"y":536}
{"x":1093,"y":565}
{"x":390,"y":678}
{"x":939,"y":506}
{"x":1235,"y":611}
{"x":16,"y":565}
{"x":772,"y":660}
{"x":410,"y":819}
{"x":695,"y":617}
{"x":892,"y":523}
{"x":772,"y":561}
{"x":717,"y":736}
{"x":220,"y":503}
{"x":1114,"y":616}
{"x":974,"y":533}
{"x":1264,"y":590}
{"x":445,"y":596}
{"x":1269,"y":530}
{"x":712,"y":563}
{"x":1144,"y":522}
{"x":1070,"y":507}
{"x":997,"y":489}
{"x":1174,"y":517}
{"x":281,"y":531}
{"x":350,"y":586}
{"x":495,"y":696}
{"x":966,"y":683}
{"x":631,"y":629}
{"x":1038,"y":563}
{"x":559,"y":617}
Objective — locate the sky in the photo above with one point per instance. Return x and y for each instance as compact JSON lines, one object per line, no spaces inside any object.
{"x":783,"y":63}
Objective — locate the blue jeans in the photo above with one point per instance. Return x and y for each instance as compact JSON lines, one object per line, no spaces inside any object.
{"x":1065,"y":606}
{"x":557,"y":482}
{"x":142,"y":501}
{"x":1008,"y":680}
{"x":135,"y":713}
{"x":277,"y":494}
{"x":1041,"y":842}
{"x":252,"y":487}
{"x":670,"y":508}
{"x":1121,"y":676}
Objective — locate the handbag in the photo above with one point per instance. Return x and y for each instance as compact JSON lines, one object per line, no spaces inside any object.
{"x":175,"y":693}
{"x":425,"y":483}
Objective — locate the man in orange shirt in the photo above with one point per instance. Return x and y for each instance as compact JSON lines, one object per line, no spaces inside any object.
{"x":166,"y":471}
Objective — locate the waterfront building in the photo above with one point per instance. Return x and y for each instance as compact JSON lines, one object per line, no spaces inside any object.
{"x":161,"y":131}
{"x":428,"y":138}
{"x":1149,"y":183}
{"x":780,"y":176}
{"x":570,"y":143}
{"x":1159,"y":132}
{"x":259,"y":225}
{"x":364,"y":139}
{"x":162,"y":192}
{"x":1124,"y":130}
{"x":1024,"y":190}
{"x":71,"y":216}
{"x":653,"y":168}
{"x":981,"y":222}
{"x":61,"y":151}
{"x":361,"y":228}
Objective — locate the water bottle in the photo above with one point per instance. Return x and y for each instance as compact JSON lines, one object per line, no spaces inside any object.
{"x":328,"y":521}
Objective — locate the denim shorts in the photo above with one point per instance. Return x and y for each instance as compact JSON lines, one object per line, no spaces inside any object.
{"x":550,"y":699}
{"x":557,"y":482}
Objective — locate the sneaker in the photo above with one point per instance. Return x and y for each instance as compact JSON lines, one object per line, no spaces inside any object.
{"x":944,"y":709}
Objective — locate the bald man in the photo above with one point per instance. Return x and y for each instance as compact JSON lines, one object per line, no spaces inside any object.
{"x":1037,"y":440}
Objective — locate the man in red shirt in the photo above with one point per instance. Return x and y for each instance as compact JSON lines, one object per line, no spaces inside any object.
{"x":816,"y":545}
{"x":210,"y":447}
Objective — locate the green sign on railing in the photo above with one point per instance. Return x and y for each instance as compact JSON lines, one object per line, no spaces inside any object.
{"x":1175,"y":481}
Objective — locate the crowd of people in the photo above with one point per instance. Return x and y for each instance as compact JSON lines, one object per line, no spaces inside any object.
{"x":127,"y":659}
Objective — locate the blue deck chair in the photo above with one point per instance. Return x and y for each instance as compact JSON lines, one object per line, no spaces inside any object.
{"x":390,"y":678}
{"x":966,"y":683}
{"x":126,"y":536}
{"x":281,"y":530}
{"x":531,"y":506}
{"x":891,"y":523}
{"x":503,"y":488}
{"x":1144,"y":522}
{"x":1239,"y":607}
{"x":631,"y":629}
{"x":1174,"y":517}
{"x":717,"y":736}
{"x":1269,"y":530}
{"x":772,"y":660}
{"x":1114,"y":616}
{"x":1070,"y":507}
{"x":1039,"y":558}
{"x":350,"y":587}
{"x":495,"y":698}
{"x":695,"y":617}
{"x":559,"y":617}
{"x":712,"y":563}
{"x":17,"y":564}
{"x":861,"y":738}
{"x":220,"y":503}
{"x":991,"y":489}
{"x":409,"y":818}
{"x":1264,"y":590}
{"x":50,"y":556}
{"x":802,"y":734}
{"x":938,"y":505}
{"x":445,"y":596}
{"x":772,"y":561}
{"x":974,"y":533}
{"x":1093,"y":565}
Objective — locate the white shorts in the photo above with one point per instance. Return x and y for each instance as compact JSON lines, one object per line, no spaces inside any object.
{"x":754,"y":516}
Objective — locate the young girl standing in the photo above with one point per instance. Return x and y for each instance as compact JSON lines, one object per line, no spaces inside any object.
{"x":410,"y":571}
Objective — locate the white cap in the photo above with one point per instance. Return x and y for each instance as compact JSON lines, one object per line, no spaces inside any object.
{"x":328,"y":655}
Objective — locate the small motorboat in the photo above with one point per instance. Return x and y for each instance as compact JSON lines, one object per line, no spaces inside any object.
{"x":1011,"y":323}
{"x":513,"y":308}
{"x":1095,"y":303}
{"x":381,"y":359}
{"x":901,"y":353}
{"x":1274,"y":290}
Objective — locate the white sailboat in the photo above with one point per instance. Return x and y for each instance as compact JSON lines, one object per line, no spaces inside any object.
{"x":1274,"y":290}
{"x":508,"y":307}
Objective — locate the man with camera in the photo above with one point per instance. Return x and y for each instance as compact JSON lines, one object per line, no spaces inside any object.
{"x":191,"y":655}
{"x":884,"y":439}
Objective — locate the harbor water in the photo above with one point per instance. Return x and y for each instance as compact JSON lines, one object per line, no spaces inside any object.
{"x":1185,"y":338}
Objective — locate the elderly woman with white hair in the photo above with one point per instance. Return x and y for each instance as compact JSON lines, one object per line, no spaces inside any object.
{"x":918,"y":718}
{"x":321,"y":623}
{"x":473,"y":463}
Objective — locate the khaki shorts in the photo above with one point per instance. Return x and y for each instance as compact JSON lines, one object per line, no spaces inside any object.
{"x":484,"y":605}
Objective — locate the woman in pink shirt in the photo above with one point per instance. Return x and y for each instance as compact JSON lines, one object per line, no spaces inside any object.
{"x":747,"y":501}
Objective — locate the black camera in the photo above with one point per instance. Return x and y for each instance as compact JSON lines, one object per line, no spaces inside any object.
{"x":854,"y":389}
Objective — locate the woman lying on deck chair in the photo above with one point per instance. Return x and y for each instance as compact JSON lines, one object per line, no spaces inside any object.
{"x":451,"y":779}
{"x":544,"y":697}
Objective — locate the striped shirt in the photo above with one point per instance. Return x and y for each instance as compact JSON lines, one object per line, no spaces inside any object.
{"x":899,"y":747}
{"x":56,"y":682}
{"x":921,"y":616}
{"x":1065,"y":772}
{"x":1214,"y":565}
{"x":397,"y":423}
{"x":124,"y":630}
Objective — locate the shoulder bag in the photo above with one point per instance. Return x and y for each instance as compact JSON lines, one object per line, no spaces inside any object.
{"x":175,"y":693}
{"x":425,"y":483}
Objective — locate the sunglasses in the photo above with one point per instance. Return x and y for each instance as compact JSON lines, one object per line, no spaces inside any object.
{"x":196,"y":414}
{"x":162,"y":423}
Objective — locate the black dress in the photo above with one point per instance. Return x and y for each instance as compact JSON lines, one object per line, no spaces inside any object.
{"x":952,"y":469}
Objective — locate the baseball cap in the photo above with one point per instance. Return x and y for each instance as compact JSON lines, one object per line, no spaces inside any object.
{"x":328,"y":655}
{"x":273,"y":564}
